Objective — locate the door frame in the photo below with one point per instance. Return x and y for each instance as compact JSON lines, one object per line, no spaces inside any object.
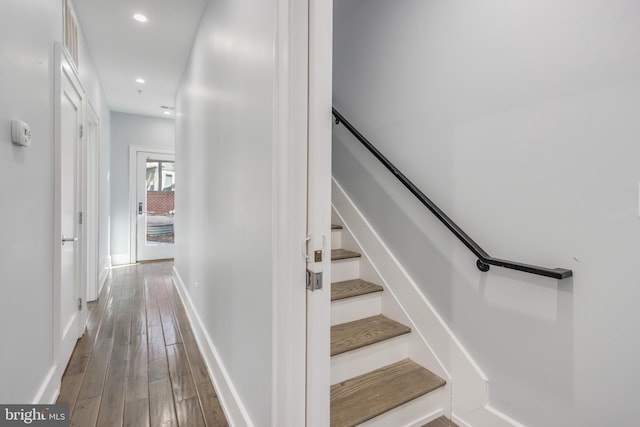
{"x":320,"y":123}
{"x":289,"y":165}
{"x":301,"y":173}
{"x":64,"y":64}
{"x":91,"y":174}
{"x":133,"y":213}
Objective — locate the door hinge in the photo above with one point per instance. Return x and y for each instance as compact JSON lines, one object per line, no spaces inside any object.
{"x":80,"y":217}
{"x":81,"y":131}
{"x":314,"y":280}
{"x":79,"y":304}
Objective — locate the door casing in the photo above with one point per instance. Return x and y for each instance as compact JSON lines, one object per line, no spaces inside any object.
{"x":91,"y":173}
{"x":302,"y":180}
{"x":319,"y":210}
{"x":133,"y":203}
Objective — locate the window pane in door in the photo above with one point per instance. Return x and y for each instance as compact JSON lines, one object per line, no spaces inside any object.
{"x":160,"y":187}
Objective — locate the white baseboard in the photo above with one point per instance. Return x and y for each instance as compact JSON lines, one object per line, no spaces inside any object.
{"x":486,"y":416}
{"x":102,"y":277}
{"x":470,"y":384}
{"x":49,"y":390}
{"x":120,"y":259}
{"x":232,"y":405}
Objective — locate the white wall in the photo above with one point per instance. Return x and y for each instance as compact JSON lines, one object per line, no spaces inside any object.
{"x":26,"y":255}
{"x":224,"y":157}
{"x":520,"y":119}
{"x":126,"y":130}
{"x":28,"y":30}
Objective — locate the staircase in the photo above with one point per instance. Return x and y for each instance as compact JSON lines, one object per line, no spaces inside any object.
{"x":374,"y":380}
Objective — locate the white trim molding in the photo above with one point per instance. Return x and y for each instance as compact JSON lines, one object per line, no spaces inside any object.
{"x":49,"y":390}
{"x":104,"y":274}
{"x":120,"y":259}
{"x":469,"y":405}
{"x":91,"y":223}
{"x":289,"y":221}
{"x":232,"y":405}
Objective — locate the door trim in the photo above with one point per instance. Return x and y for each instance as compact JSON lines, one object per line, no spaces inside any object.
{"x":63,"y":63}
{"x":91,"y":170}
{"x":289,"y":166}
{"x":319,"y":210}
{"x":133,"y":215}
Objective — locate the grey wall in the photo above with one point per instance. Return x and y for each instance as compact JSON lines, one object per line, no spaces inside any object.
{"x":520,"y":119}
{"x":28,"y":31}
{"x":127,"y":130}
{"x":224,"y":146}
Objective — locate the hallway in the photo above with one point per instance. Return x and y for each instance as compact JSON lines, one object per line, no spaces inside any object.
{"x":138,"y":363}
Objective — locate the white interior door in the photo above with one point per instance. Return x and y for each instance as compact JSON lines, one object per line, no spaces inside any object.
{"x":69,"y":238}
{"x":155,"y":195}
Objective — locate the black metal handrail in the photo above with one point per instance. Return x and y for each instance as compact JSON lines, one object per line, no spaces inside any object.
{"x":484,"y":259}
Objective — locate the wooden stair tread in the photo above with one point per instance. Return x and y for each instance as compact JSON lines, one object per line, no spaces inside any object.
{"x":364,"y":397}
{"x":336,"y":227}
{"x":337,"y":254}
{"x":352,"y":288}
{"x":441,"y":422}
{"x":362,"y":332}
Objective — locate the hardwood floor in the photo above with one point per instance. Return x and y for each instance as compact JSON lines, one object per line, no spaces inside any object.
{"x":138,"y":363}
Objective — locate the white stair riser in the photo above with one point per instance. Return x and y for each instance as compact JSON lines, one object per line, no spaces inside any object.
{"x":411,"y":414}
{"x":350,"y":309}
{"x":336,"y":239}
{"x":362,"y":360}
{"x":346,"y":269}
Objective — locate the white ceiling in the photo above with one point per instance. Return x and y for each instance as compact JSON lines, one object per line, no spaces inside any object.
{"x":124,"y":49}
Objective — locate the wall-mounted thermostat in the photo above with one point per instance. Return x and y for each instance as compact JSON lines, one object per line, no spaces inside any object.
{"x":20,"y":133}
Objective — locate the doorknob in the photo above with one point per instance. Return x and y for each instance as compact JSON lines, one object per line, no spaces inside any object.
{"x":68,"y":239}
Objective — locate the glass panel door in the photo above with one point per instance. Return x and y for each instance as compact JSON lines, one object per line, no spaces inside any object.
{"x":160,"y":185}
{"x":155,"y":182}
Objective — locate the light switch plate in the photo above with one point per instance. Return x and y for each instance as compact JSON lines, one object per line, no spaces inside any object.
{"x":20,"y":133}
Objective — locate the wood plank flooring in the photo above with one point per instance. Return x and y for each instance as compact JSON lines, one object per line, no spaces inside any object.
{"x":138,"y":363}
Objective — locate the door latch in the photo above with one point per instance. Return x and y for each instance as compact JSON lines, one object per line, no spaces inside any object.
{"x":140,"y":208}
{"x":314,"y":280}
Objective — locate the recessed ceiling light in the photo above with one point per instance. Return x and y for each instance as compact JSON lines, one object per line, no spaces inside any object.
{"x":140,"y":17}
{"x":167,"y":113}
{"x":139,"y":80}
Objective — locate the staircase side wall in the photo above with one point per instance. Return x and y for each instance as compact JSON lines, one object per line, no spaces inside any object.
{"x":519,"y":119}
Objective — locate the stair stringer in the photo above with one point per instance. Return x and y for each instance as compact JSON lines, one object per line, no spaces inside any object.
{"x":434,"y":346}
